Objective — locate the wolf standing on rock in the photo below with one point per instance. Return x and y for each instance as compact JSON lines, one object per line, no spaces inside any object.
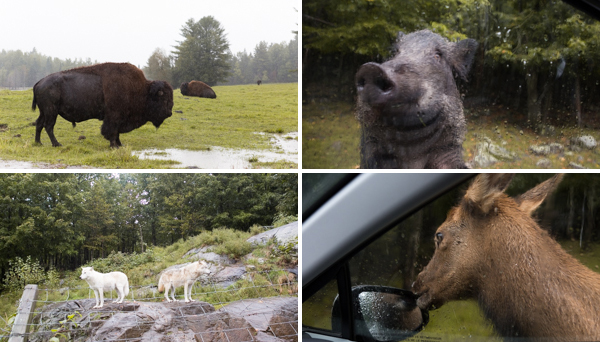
{"x":409,"y":107}
{"x":185,"y":276}
{"x":100,"y":282}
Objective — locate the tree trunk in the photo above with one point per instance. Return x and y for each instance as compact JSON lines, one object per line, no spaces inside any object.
{"x":569,"y":233}
{"x":534,"y":110}
{"x":577,"y":101}
{"x":590,"y":219}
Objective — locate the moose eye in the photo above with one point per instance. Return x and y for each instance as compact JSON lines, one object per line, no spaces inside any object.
{"x":438,"y":238}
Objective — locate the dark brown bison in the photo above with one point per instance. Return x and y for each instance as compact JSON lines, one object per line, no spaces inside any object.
{"x":259,"y":82}
{"x":409,"y":107}
{"x":117,"y":93}
{"x":197,"y":88}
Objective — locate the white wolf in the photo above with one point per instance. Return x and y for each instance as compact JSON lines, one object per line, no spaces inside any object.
{"x":100,"y":282}
{"x":185,"y":276}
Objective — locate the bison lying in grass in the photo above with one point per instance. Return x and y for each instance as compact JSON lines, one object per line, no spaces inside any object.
{"x":197,"y":88}
{"x":117,"y":93}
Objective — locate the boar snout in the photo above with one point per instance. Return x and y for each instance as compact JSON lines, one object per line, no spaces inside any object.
{"x":373,"y":85}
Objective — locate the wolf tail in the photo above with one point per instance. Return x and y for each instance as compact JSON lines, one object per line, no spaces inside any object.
{"x":126,"y":289}
{"x":161,"y":285}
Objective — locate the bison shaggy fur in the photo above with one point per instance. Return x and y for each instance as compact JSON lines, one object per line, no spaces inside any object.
{"x":197,"y":88}
{"x":116,"y":93}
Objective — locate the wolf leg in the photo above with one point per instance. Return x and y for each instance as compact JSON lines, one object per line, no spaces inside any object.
{"x":97,"y":299}
{"x":167,"y":288}
{"x":120,"y":293}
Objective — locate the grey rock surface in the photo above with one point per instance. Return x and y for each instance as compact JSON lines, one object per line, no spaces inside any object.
{"x":264,"y":319}
{"x":284,"y":234}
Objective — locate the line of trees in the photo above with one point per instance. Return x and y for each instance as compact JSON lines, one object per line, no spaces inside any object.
{"x":204,"y":55}
{"x":537,"y":57}
{"x":66,"y":220}
{"x":20,"y":69}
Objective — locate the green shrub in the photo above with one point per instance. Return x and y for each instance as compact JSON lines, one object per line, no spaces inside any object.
{"x":281,"y":219}
{"x":122,"y":261}
{"x":234,"y":249}
{"x":21,"y":273}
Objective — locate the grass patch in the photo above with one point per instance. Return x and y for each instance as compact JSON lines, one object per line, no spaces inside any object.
{"x":331,"y":137}
{"x":230,"y":121}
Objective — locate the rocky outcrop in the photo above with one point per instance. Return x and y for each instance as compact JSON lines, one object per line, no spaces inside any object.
{"x":264,"y":319}
{"x":284,"y":234}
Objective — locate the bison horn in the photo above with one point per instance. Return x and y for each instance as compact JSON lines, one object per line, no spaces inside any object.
{"x":160,"y":93}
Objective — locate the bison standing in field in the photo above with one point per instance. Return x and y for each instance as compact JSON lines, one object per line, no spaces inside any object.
{"x":117,"y":93}
{"x":409,"y":107}
{"x":259,"y":82}
{"x":197,"y":88}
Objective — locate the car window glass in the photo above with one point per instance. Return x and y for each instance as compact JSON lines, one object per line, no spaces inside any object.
{"x":395,"y":259}
{"x":317,"y":187}
{"x":316,"y":310}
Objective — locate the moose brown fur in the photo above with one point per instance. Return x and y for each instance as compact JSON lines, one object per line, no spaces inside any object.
{"x":491,"y":249}
{"x":197,"y":88}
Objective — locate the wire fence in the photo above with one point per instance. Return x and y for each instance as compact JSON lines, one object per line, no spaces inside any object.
{"x":262,"y":298}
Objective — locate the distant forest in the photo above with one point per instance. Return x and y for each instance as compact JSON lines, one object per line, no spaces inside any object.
{"x":269,"y":62}
{"x":65,"y":220}
{"x":20,"y":69}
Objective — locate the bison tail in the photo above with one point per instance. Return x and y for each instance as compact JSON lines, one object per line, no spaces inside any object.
{"x":33,"y":104}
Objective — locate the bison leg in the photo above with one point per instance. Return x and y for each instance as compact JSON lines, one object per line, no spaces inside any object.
{"x":46,"y":121}
{"x":39,"y":125}
{"x":110,"y":133}
{"x":50,"y":131}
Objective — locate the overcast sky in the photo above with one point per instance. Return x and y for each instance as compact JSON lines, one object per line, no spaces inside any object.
{"x":129,"y":31}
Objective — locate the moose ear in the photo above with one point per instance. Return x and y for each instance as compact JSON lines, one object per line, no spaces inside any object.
{"x":462,"y":56}
{"x":486,"y":188}
{"x":532,"y":199}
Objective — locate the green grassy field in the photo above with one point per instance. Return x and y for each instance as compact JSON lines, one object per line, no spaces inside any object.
{"x":331,"y":136}
{"x":232,"y":120}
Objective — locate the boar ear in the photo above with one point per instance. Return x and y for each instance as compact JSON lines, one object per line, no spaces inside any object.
{"x":532,"y":199}
{"x":463,"y":54}
{"x":486,"y":188}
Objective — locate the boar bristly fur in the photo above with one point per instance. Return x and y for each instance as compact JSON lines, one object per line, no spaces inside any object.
{"x":409,"y":107}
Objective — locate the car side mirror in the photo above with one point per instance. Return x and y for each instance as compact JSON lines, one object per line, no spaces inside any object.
{"x":382,"y":314}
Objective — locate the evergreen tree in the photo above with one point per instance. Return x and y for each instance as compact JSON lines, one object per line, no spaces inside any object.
{"x":203,"y":55}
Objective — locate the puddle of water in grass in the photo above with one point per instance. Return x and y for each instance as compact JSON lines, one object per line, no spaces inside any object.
{"x":285,"y":148}
{"x":15,"y":164}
